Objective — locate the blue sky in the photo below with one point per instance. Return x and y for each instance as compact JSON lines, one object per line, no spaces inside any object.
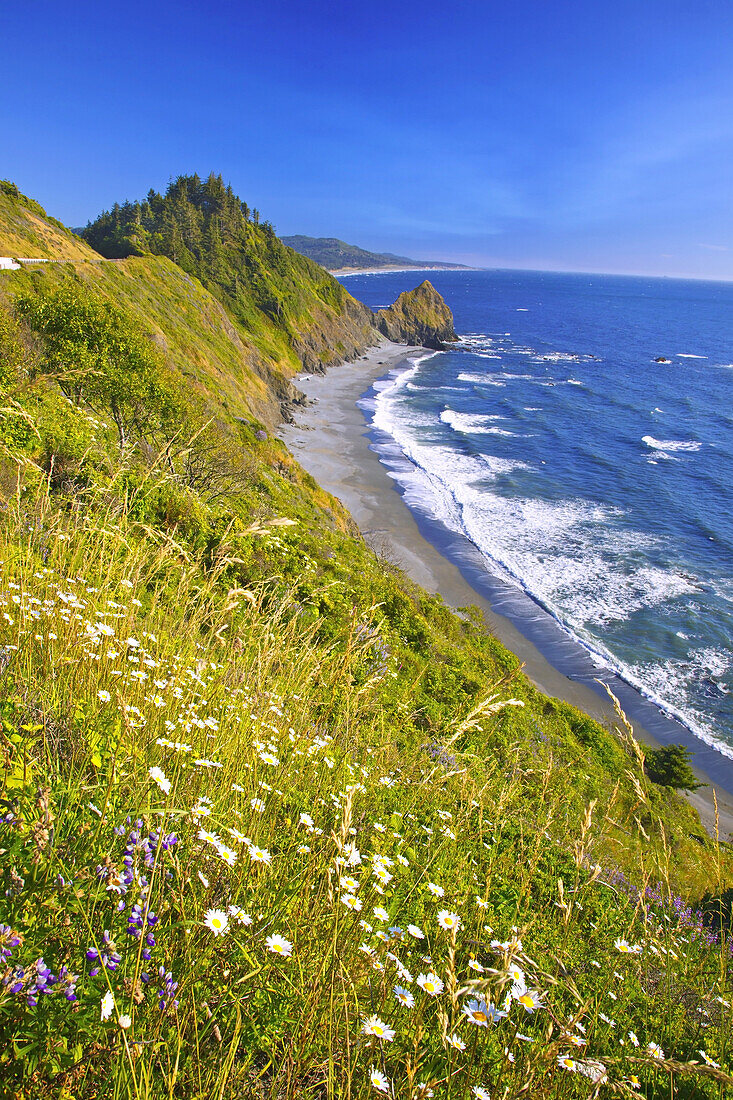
{"x":558,"y":134}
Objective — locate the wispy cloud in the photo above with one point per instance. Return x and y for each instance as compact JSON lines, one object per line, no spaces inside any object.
{"x":715,"y":247}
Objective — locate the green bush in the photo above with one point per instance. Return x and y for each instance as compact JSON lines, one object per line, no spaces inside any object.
{"x":670,"y":767}
{"x":101,"y":358}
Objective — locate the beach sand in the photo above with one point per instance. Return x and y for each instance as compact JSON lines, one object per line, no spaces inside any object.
{"x":330,"y":440}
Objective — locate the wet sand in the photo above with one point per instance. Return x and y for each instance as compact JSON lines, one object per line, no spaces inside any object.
{"x":331,"y":441}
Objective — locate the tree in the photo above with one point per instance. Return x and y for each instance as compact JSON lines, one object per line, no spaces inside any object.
{"x":670,"y":767}
{"x":102,"y":359}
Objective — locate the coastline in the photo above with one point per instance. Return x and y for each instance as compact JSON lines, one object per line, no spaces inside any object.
{"x":331,"y":440}
{"x":392,"y":268}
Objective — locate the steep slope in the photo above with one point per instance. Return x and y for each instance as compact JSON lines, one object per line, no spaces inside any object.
{"x":27,"y":230}
{"x":419,"y":317}
{"x":253,"y":777}
{"x":292,"y":309}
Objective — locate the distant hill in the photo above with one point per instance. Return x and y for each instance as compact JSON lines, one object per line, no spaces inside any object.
{"x":336,"y":255}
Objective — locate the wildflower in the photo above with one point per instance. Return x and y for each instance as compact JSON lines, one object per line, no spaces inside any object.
{"x":626,"y":948}
{"x":269,"y":758}
{"x":348,"y":883}
{"x":575,"y":1040}
{"x":158,"y":776}
{"x":108,"y":1003}
{"x":480,"y":1092}
{"x":566,"y":1062}
{"x":104,"y":696}
{"x":259,"y":855}
{"x":448,"y":921}
{"x":217,"y":921}
{"x":530,"y":1000}
{"x":378,"y":1080}
{"x":306,"y":820}
{"x":481,"y":903}
{"x":456,"y":1042}
{"x":380,"y":913}
{"x":435,"y":890}
{"x":124,"y":1022}
{"x":351,"y":902}
{"x":634,"y":1039}
{"x":633,"y":1081}
{"x":258,"y":805}
{"x":404,"y":997}
{"x":481,"y":1014}
{"x":474,"y":964}
{"x":708,"y":1060}
{"x":279,"y":946}
{"x":304,"y":849}
{"x":374,"y":1026}
{"x":228,"y":855}
{"x":416,"y":932}
{"x":656,"y":1051}
{"x":238,"y":914}
{"x":430,"y":983}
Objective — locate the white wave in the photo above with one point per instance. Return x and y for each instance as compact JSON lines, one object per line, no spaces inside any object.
{"x":670,"y":444}
{"x":520,"y":309}
{"x":577,"y":558}
{"x":681,"y":355}
{"x":472,"y":423}
{"x":574,"y":382}
{"x":480,"y":379}
{"x":670,"y":684}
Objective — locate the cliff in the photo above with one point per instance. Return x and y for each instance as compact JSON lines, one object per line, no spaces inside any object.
{"x":418,"y":317}
{"x":292,"y":311}
{"x":195,"y":641}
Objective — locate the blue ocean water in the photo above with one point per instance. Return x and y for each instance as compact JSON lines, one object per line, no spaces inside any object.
{"x":587,"y":476}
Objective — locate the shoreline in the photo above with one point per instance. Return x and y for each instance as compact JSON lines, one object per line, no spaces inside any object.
{"x":339,"y":272}
{"x":333,"y":442}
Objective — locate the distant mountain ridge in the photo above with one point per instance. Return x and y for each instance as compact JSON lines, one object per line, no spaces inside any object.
{"x":337,"y":255}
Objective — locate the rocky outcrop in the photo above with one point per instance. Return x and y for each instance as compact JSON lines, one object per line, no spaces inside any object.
{"x":418,"y":317}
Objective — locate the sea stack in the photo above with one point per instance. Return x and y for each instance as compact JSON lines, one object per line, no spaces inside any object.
{"x":419,"y":317}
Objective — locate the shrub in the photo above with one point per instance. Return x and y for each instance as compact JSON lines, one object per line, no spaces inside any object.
{"x":670,"y":767}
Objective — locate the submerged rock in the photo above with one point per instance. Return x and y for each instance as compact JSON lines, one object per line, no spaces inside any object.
{"x":419,"y":317}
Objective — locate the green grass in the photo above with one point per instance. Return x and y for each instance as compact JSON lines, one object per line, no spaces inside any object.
{"x":26,"y":230}
{"x":124,"y":656}
{"x":196,"y":642}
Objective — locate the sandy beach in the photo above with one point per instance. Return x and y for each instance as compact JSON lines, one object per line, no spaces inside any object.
{"x":331,"y":441}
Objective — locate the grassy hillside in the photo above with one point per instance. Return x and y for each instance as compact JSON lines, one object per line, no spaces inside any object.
{"x":334,"y":254}
{"x":288,"y":304}
{"x":275,"y":821}
{"x":27,"y":230}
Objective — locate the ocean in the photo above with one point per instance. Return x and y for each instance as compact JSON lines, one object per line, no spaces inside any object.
{"x":582,"y":486}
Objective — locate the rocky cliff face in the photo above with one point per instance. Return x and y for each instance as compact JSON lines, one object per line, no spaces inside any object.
{"x":418,"y":317}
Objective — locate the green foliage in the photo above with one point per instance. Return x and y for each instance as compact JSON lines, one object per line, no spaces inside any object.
{"x":202,"y":662}
{"x":204,"y":228}
{"x":195,"y":749}
{"x":669,"y":766}
{"x":101,"y":359}
{"x":10,"y":190}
